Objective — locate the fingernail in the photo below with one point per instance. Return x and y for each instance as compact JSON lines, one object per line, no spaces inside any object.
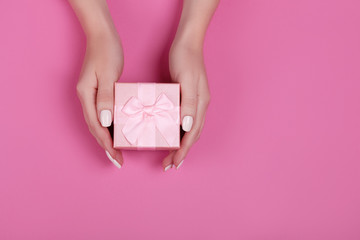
{"x":167,"y":167}
{"x":179,"y":164}
{"x":187,"y":123}
{"x":105,"y":118}
{"x":116,"y":163}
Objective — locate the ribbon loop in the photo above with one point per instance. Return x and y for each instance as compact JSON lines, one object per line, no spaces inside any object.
{"x":141,"y":116}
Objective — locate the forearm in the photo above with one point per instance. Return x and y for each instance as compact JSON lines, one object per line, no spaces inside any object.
{"x":94,"y":17}
{"x":195,"y":18}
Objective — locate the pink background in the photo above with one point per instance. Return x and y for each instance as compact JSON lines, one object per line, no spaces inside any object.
{"x":278,"y":158}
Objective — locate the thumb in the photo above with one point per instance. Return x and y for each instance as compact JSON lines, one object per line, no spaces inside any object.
{"x":105,"y":102}
{"x":188,"y":104}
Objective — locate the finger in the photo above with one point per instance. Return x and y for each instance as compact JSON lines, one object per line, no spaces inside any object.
{"x":191,"y":137}
{"x":201,"y":128}
{"x":101,"y":134}
{"x":188,"y":140}
{"x":105,"y":100}
{"x":116,"y":163}
{"x":204,"y":94}
{"x":87,"y":96}
{"x":167,"y":162}
{"x":188,"y":103}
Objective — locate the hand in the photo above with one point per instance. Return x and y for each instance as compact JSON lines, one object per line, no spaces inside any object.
{"x":102,"y":67}
{"x":187,"y":68}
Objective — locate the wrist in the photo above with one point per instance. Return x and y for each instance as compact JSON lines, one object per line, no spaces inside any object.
{"x":189,"y":37}
{"x":95,"y":18}
{"x":101,"y":29}
{"x":102,"y":36}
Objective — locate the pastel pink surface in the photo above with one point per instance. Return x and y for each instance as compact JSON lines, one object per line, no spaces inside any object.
{"x":278,"y":157}
{"x":159,"y":131}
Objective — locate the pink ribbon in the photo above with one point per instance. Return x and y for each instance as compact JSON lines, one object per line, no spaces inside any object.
{"x":142,"y":118}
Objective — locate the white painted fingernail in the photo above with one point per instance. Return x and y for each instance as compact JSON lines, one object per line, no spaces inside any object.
{"x":116,"y":163}
{"x":179,"y":164}
{"x":168,"y":167}
{"x":105,"y":118}
{"x":187,"y":123}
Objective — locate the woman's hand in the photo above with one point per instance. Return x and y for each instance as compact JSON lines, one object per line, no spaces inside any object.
{"x":187,"y":68}
{"x":102,"y":67}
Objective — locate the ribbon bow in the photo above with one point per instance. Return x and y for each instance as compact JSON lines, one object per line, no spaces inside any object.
{"x":143,"y":117}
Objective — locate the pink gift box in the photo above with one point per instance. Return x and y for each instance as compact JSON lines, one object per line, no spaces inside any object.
{"x":147,"y":116}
